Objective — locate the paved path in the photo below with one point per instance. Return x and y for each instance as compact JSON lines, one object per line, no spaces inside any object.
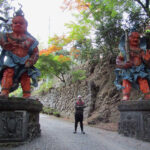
{"x":58,"y":135}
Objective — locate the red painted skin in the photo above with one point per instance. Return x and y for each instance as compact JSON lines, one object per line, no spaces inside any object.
{"x":136,"y":58}
{"x":19,"y":28}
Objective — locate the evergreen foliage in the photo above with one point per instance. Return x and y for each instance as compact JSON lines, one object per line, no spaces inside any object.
{"x":78,"y":75}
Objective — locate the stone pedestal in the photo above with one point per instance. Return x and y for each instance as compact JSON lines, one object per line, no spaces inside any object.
{"x":135,"y":119}
{"x":19,"y":120}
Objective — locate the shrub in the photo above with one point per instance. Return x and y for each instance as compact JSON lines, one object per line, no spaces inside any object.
{"x":44,"y":88}
{"x":78,"y":75}
{"x":50,"y":111}
{"x":17,"y":93}
{"x":56,"y":113}
{"x":47,"y":110}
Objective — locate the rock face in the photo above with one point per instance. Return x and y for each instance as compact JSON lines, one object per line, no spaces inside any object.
{"x":63,"y":99}
{"x":97,"y":90}
{"x":19,"y":120}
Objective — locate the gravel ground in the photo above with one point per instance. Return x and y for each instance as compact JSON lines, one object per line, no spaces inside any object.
{"x":57,"y":134}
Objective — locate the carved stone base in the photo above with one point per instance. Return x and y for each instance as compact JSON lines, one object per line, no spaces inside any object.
{"x":19,"y":120}
{"x":135,"y":119}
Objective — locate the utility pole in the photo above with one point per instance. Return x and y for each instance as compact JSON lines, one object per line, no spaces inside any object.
{"x":49,"y":27}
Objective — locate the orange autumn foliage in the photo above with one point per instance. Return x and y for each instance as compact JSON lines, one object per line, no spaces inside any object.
{"x":50,"y":50}
{"x":54,"y":48}
{"x":63,"y":58}
{"x":75,"y":4}
{"x":60,"y":40}
{"x":75,"y":52}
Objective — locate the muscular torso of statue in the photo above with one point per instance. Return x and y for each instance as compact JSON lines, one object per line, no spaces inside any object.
{"x":135,"y":56}
{"x":18,"y":46}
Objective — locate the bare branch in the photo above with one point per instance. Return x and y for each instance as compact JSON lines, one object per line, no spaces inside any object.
{"x":141,"y":4}
{"x":145,"y":7}
{"x":1,"y":18}
{"x":147,"y":4}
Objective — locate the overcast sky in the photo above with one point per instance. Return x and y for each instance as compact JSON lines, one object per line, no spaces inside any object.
{"x":45,"y":17}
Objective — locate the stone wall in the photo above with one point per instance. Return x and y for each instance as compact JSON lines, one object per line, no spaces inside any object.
{"x":63,"y":98}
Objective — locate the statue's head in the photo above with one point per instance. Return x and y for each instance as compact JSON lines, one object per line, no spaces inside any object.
{"x":19,"y":23}
{"x":134,"y":39}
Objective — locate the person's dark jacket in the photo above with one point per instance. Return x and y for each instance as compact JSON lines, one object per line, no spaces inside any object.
{"x":79,"y":107}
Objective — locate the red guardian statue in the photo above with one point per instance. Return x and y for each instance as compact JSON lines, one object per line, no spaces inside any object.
{"x":19,"y":54}
{"x":131,"y":68}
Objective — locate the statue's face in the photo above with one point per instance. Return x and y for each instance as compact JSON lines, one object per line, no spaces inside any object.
{"x":134,"y":39}
{"x":19,"y":24}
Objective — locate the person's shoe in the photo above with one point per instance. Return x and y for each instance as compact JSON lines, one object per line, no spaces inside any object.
{"x":74,"y":132}
{"x":83,"y":132}
{"x":125,"y":98}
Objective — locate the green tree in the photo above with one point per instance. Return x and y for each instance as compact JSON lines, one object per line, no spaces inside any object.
{"x":52,"y":66}
{"x":109,"y":17}
{"x":105,"y":19}
{"x":62,"y":52}
{"x":5,"y":14}
{"x":86,"y":49}
{"x":78,"y":75}
{"x":78,"y":31}
{"x":108,"y":34}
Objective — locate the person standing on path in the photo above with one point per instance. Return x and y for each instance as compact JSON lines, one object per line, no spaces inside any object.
{"x":79,"y":108}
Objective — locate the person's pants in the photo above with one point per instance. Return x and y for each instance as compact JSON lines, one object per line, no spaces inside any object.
{"x":78,"y":118}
